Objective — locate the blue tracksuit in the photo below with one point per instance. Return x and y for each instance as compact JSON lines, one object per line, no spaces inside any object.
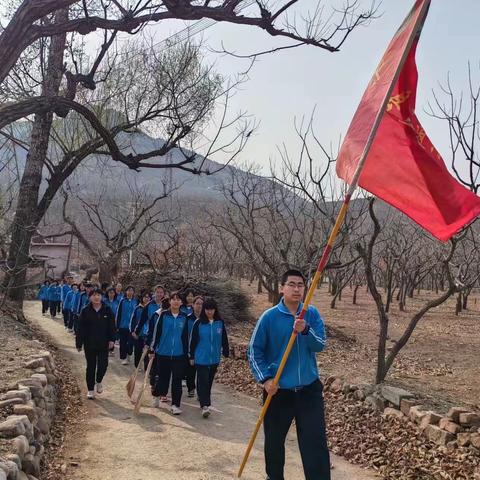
{"x":187,"y":310}
{"x":75,"y":302}
{"x":82,"y":302}
{"x":125,"y":312}
{"x":170,"y":335}
{"x":270,"y":339}
{"x":191,"y":319}
{"x":53,"y":293}
{"x":208,"y":342}
{"x":68,"y":300}
{"x":145,"y":326}
{"x":135,"y":318}
{"x":43,"y":292}
{"x":113,"y":304}
{"x":64,"y":289}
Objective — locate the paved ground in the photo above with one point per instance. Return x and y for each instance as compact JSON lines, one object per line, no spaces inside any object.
{"x":156,"y":445}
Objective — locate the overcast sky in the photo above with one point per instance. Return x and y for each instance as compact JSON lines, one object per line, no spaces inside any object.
{"x":289,"y":84}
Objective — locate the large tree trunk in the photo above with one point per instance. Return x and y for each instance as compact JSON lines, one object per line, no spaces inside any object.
{"x":27,"y":217}
{"x":108,"y":270}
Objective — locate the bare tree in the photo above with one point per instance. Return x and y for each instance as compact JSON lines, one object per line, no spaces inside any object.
{"x":443,"y":259}
{"x":117,"y":228}
{"x":461,"y":112}
{"x":42,"y":25}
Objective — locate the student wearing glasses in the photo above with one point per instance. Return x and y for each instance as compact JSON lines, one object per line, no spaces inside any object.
{"x":299,"y":394}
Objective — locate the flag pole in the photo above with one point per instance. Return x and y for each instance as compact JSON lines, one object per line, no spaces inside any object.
{"x":336,"y":228}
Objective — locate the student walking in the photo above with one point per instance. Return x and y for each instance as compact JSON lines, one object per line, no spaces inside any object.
{"x":75,"y":306}
{"x":96,"y":335}
{"x":191,"y":371}
{"x":54,"y":294}
{"x":64,"y":289}
{"x":299,"y":394}
{"x":188,"y":298}
{"x":139,"y":340}
{"x":169,"y":347}
{"x":209,"y":340}
{"x":124,"y":315}
{"x":146,"y":325}
{"x":43,"y":296}
{"x":67,"y":307}
{"x":111,"y":299}
{"x":119,"y":291}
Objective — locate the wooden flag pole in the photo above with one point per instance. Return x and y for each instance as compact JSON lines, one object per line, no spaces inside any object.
{"x":336,"y":228}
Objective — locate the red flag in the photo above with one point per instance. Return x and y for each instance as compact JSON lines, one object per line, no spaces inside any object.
{"x":403,"y":168}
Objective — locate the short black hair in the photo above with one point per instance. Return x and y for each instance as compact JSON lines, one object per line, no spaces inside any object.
{"x":292,"y":272}
{"x":130,"y":287}
{"x":94,"y":291}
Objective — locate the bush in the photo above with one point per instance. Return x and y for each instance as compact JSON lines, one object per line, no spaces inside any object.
{"x":233,"y":302}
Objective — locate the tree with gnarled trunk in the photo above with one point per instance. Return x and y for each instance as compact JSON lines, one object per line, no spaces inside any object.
{"x":116,"y":228}
{"x":444,"y":260}
{"x":36,"y":21}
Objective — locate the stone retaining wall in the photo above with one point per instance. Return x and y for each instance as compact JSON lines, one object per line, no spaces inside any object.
{"x":25,"y":432}
{"x":460,"y":427}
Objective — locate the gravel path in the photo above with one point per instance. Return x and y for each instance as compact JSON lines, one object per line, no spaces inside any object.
{"x":117,"y":445}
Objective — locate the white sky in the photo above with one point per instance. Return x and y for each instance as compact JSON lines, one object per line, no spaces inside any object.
{"x":291,"y":83}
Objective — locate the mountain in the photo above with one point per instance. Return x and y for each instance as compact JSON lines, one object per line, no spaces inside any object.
{"x":98,"y":170}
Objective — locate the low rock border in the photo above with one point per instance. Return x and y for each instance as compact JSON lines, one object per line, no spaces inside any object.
{"x":33,"y":401}
{"x":460,"y":427}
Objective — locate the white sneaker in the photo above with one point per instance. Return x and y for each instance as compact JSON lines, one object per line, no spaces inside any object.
{"x":90,"y":394}
{"x":175,"y":410}
{"x":125,"y":361}
{"x":99,"y":387}
{"x":205,"y":412}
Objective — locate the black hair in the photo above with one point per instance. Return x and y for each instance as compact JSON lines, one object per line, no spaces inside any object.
{"x":176,"y":293}
{"x":94,"y":291}
{"x":165,"y":303}
{"x":292,"y":272}
{"x":104,"y":286}
{"x":74,"y":285}
{"x":144,"y":293}
{"x":128,"y":287}
{"x":209,"y":304}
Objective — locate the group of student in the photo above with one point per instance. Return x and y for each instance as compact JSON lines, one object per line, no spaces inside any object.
{"x":182,"y":334}
{"x":185,"y":337}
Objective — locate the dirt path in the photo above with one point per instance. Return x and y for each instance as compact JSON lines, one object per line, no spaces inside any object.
{"x":155,"y":445}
